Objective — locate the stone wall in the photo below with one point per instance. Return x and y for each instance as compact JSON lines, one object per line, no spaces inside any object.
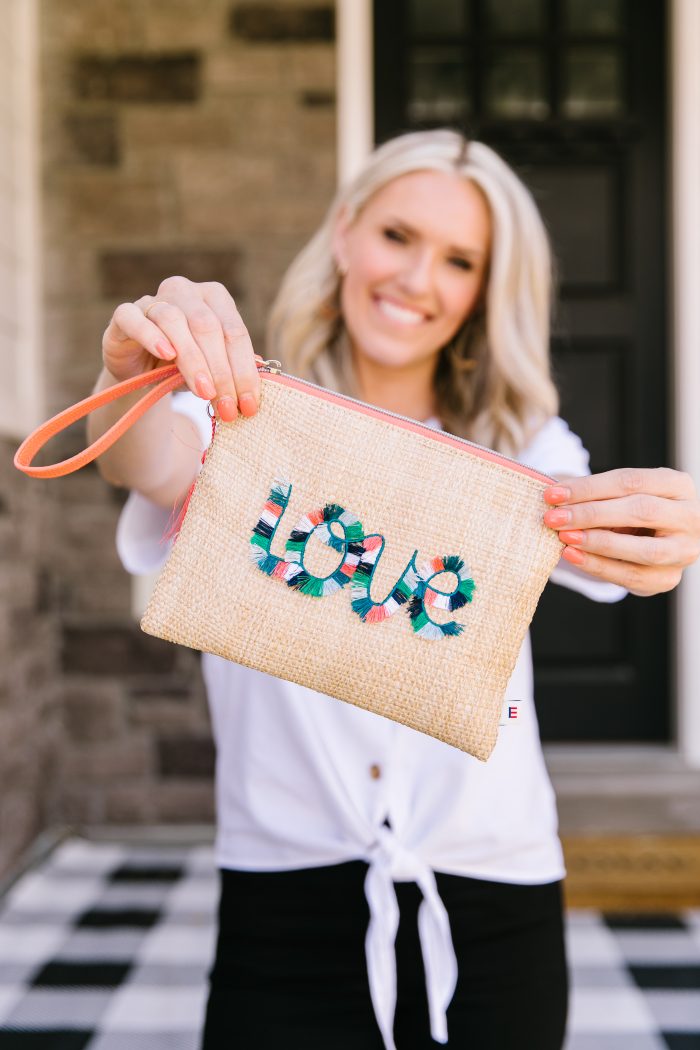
{"x":179,"y":136}
{"x":30,"y":722}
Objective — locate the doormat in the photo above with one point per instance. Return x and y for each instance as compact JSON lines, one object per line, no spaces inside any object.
{"x":642,"y":872}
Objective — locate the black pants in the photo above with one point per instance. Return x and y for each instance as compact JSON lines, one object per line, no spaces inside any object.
{"x":290,"y":969}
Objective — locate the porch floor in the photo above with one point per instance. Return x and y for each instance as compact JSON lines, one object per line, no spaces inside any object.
{"x":106,"y":945}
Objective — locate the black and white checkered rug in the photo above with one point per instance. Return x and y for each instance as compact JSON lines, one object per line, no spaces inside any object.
{"x":106,"y":947}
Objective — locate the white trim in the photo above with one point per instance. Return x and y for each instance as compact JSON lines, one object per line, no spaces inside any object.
{"x":22,"y":398}
{"x":354,"y":86}
{"x":32,"y":392}
{"x":685,"y":299}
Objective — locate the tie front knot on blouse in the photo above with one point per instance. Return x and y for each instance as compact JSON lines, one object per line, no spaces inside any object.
{"x":390,"y":861}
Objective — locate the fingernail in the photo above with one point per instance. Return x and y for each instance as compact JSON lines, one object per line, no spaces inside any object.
{"x":226,"y":407}
{"x":557,"y":494}
{"x":204,"y":386}
{"x":573,"y":555}
{"x":166,"y":350}
{"x":574,"y":536}
{"x":248,"y":404}
{"x":557,"y":517}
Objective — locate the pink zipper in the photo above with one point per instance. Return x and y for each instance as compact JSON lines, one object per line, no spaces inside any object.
{"x":276,"y":375}
{"x":168,"y":378}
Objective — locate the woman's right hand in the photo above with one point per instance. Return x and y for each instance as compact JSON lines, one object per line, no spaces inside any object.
{"x":195,"y":326}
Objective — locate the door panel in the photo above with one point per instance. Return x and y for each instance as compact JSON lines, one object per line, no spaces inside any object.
{"x":571,"y":92}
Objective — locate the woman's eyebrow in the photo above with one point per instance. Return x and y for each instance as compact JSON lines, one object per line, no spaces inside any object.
{"x":474,"y":253}
{"x":456,"y":248}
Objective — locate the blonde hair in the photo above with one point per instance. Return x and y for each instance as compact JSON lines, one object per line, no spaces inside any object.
{"x":492,"y":382}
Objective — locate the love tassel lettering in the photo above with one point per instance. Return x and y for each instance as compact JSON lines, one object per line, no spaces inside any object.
{"x":360,"y":554}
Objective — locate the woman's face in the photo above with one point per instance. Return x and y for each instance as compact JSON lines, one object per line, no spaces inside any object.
{"x":415,"y":260}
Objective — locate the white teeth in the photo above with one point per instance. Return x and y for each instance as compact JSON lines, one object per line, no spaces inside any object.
{"x":399,"y":313}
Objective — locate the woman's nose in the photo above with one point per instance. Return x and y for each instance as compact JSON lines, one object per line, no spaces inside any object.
{"x":417,"y":273}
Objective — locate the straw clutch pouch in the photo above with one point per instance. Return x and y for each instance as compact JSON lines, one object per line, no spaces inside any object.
{"x":353,"y":551}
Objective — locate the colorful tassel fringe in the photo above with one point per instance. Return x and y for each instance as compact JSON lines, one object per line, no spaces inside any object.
{"x":361,"y":555}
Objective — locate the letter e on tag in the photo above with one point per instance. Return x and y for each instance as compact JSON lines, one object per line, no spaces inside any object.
{"x":510,"y":713}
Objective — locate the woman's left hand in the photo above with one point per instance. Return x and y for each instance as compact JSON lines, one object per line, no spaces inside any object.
{"x":634,"y":527}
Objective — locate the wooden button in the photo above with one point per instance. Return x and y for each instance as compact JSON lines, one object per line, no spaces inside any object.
{"x":375,"y":771}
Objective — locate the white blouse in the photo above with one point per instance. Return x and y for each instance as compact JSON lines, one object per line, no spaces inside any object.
{"x":304,"y":780}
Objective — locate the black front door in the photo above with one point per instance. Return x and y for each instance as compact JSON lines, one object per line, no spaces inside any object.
{"x":572,"y":93}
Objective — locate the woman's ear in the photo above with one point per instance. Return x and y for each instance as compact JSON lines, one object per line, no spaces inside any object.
{"x":339,"y":241}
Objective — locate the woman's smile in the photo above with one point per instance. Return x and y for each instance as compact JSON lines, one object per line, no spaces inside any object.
{"x":398,"y":312}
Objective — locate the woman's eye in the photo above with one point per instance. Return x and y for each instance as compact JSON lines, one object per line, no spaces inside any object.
{"x":461,"y":263}
{"x":394,"y":235}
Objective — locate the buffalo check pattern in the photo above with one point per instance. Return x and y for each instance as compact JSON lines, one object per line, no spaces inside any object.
{"x":107,"y":947}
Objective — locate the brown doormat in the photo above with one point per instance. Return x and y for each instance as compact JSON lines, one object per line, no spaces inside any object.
{"x":637,"y":872}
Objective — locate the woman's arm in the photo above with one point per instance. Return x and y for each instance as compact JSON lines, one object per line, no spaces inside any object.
{"x":158,"y":456}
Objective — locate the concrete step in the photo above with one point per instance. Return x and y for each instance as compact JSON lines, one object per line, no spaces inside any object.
{"x":633,"y":790}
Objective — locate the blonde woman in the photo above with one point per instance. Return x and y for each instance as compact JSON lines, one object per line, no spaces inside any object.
{"x":380,"y":888}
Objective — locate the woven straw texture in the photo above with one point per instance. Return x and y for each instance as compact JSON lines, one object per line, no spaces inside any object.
{"x":419,"y":494}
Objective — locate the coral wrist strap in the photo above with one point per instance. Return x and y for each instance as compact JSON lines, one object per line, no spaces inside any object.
{"x":168,"y":378}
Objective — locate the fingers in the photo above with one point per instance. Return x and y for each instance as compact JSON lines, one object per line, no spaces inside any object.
{"x":642,"y":580}
{"x":238,"y":346}
{"x":640,"y":511}
{"x":627,"y":481}
{"x":655,"y":551}
{"x":131,"y":344}
{"x":197,"y":325}
{"x":214,"y":351}
{"x":130,"y":320}
{"x":638,"y":528}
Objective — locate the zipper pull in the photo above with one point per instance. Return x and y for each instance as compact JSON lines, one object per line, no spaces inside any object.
{"x":270,"y":366}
